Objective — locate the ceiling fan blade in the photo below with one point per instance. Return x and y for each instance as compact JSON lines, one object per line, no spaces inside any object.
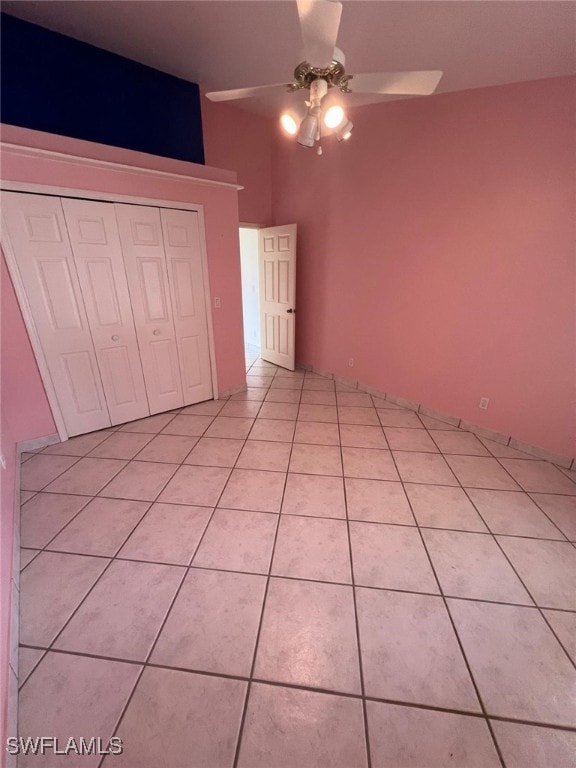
{"x":243,"y":93}
{"x":319,"y":22}
{"x":397,"y":83}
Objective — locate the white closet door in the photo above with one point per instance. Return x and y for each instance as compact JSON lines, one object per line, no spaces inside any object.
{"x":97,"y":252}
{"x":141,"y":237}
{"x":37,"y":231}
{"x":185,"y":274}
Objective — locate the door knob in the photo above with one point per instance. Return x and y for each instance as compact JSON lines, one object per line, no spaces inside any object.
{"x":291,"y":311}
{"x":156,"y":332}
{"x":115,"y":338}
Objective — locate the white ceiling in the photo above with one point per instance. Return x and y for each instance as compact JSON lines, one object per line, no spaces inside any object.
{"x":238,"y":43}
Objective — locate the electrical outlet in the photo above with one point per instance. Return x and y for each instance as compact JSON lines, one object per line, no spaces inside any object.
{"x":483,"y":404}
{"x":351,"y":362}
{"x":217,"y":302}
{"x":2,"y":462}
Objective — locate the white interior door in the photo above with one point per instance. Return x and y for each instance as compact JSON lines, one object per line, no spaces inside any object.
{"x":37,"y":231}
{"x":277,"y":266}
{"x":142,"y":245}
{"x":97,"y":252}
{"x":186,"y":278}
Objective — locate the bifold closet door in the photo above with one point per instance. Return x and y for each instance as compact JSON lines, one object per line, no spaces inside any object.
{"x":37,"y":232}
{"x":140,"y":231}
{"x":93,"y":233}
{"x":185,"y":274}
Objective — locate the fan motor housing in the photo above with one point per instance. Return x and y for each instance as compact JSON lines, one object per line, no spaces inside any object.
{"x":334,"y":75}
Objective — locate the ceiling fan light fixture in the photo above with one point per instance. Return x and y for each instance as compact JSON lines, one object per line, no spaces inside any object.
{"x":334,"y":116}
{"x":289,"y":124}
{"x":323,"y":68}
{"x":344,"y":131}
{"x":308,"y":131}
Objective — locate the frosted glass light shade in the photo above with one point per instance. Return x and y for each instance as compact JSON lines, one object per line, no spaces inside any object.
{"x":334,"y":116}
{"x":289,"y":124}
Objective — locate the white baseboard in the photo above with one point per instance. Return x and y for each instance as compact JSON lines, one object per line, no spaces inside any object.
{"x":566,"y":462}
{"x":231,"y":391}
{"x":38,"y":442}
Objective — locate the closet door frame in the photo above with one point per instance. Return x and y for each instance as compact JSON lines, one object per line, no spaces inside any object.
{"x":108,"y":197}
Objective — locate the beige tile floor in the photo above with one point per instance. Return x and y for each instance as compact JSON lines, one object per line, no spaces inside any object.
{"x":297,"y":577}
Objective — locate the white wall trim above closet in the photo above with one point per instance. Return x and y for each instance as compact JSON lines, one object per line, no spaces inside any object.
{"x":12,"y":263}
{"x":88,"y":194}
{"x":18,"y":149}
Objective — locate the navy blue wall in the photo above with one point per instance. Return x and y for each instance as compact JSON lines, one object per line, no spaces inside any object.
{"x":53,"y":83}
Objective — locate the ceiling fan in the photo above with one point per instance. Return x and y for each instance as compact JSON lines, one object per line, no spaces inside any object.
{"x":323,"y":70}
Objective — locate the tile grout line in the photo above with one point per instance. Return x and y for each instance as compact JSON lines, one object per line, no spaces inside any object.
{"x":307,"y":579}
{"x":531,"y":493}
{"x":269,"y":576}
{"x":46,"y":547}
{"x":500,"y":459}
{"x":186,"y":569}
{"x":97,"y":580}
{"x":326,"y":691}
{"x":454,"y":629}
{"x":564,"y":538}
{"x":513,"y":567}
{"x":111,"y":560}
{"x":528,"y":592}
{"x":494,"y":537}
{"x":322,"y":445}
{"x":355,"y":607}
{"x":91,"y":498}
{"x":262,"y":611}
{"x":39,"y":490}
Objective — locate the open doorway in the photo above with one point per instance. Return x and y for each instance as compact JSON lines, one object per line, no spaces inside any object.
{"x":250,"y":292}
{"x":268,"y":272}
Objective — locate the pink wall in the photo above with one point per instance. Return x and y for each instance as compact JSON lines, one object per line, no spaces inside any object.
{"x":23,"y":397}
{"x":242,"y":141}
{"x":436,"y":248}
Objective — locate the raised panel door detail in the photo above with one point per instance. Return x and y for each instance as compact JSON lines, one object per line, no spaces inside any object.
{"x":283,"y":282}
{"x":82,"y":381}
{"x":103,"y":291}
{"x":269,"y":281}
{"x":283,"y":332}
{"x":43,"y":229}
{"x":117,"y":362}
{"x":183,"y":288}
{"x":153,"y":288}
{"x":270,"y":336}
{"x":144,"y":232}
{"x":98,"y":257}
{"x":191,"y":353}
{"x":277,"y":265}
{"x":186,"y":280}
{"x":58,"y":293}
{"x":178,"y":236}
{"x":166,"y":367}
{"x":140,"y":231}
{"x":37,"y":234}
{"x":92,"y":231}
